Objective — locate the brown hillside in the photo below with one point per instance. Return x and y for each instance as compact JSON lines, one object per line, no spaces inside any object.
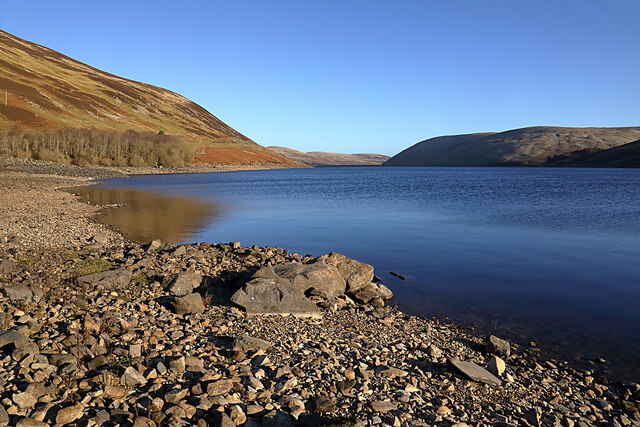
{"x":526,"y":146}
{"x":321,"y":158}
{"x":48,"y":90}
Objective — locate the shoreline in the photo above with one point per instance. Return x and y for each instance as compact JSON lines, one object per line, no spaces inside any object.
{"x":358,"y":362}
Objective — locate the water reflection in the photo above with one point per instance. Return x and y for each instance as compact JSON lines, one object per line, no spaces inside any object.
{"x":143,"y":216}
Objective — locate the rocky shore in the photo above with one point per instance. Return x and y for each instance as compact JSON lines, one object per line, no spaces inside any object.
{"x":98,"y":330}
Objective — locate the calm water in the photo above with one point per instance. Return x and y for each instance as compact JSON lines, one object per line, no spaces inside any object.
{"x":550,"y":255}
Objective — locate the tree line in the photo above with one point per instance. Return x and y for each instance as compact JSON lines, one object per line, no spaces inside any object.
{"x":96,"y":147}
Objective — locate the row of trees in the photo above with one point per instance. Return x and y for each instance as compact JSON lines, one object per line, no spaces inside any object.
{"x":96,"y":147}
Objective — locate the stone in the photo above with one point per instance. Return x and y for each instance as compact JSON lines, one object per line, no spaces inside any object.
{"x":7,"y":266}
{"x":496,"y":366}
{"x":356,"y":274}
{"x":219,"y":387}
{"x":373,"y":291}
{"x":323,"y":404}
{"x":110,"y":279}
{"x":143,"y":422}
{"x":69,"y":414}
{"x":25,"y":400}
{"x":18,"y":293}
{"x":189,"y":304}
{"x":434,"y":351}
{"x":383,"y":406}
{"x":269,"y":296}
{"x":320,"y":278}
{"x":182,"y":284}
{"x":135,"y":350}
{"x":246,"y":344}
{"x":132,"y":377}
{"x":114,"y":391}
{"x":4,"y":417}
{"x":30,"y":422}
{"x":12,"y":337}
{"x":475,"y":372}
{"x":390,"y":372}
{"x":178,"y":365}
{"x":498,"y":346}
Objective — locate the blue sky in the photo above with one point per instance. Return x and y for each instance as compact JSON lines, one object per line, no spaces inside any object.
{"x":362,"y":76}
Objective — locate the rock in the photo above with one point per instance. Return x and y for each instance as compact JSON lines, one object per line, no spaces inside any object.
{"x":496,"y":366}
{"x":532,"y":417}
{"x":246,"y":343}
{"x":132,"y":377}
{"x":154,"y":245}
{"x":356,"y":274}
{"x":4,"y":417}
{"x":323,"y":404}
{"x":25,"y":400}
{"x":434,"y":351}
{"x":189,"y":304}
{"x":143,"y":422}
{"x":182,"y":284}
{"x":110,"y":279}
{"x":383,"y":406}
{"x":373,"y":291}
{"x":323,"y":279}
{"x":30,"y":422}
{"x":12,"y":337}
{"x":7,"y":266}
{"x":475,"y":372}
{"x":69,"y":414}
{"x":219,"y":387}
{"x":269,"y":296}
{"x":390,"y":372}
{"x":498,"y":346}
{"x":20,"y":293}
{"x":114,"y":391}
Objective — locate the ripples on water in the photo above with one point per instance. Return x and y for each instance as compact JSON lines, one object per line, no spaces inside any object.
{"x":550,"y":255}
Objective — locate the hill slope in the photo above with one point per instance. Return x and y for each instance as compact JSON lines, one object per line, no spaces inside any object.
{"x":526,"y":146}
{"x":48,"y":90}
{"x":624,"y":156}
{"x":321,"y":158}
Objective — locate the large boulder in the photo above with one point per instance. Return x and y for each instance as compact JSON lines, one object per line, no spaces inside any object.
{"x":318,"y":279}
{"x":271,"y":296}
{"x":182,"y":284}
{"x":357,"y":274}
{"x":110,"y":279}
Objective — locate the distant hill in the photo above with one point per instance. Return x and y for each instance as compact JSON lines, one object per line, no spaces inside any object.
{"x":321,"y":158}
{"x":624,"y":156}
{"x":48,"y":90}
{"x":526,"y":146}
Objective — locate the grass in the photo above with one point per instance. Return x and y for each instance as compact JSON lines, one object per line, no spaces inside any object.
{"x":90,"y":266}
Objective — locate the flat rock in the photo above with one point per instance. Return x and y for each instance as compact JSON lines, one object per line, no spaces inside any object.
{"x":4,"y":417}
{"x":246,"y":343}
{"x":391,"y":372}
{"x":356,"y":274}
{"x":182,"y":284}
{"x":188,"y":304}
{"x":12,"y":337}
{"x":475,"y":372}
{"x":110,"y":279}
{"x":7,"y":266}
{"x":270,"y":296}
{"x":373,"y":291}
{"x":383,"y":406}
{"x":17,"y":292}
{"x":30,"y":422}
{"x":220,"y":387}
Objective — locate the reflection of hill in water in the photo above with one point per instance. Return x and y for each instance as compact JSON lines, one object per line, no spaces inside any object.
{"x":146,"y":216}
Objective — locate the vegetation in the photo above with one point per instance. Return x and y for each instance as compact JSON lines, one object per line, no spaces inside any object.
{"x":96,"y":147}
{"x":574,"y":155}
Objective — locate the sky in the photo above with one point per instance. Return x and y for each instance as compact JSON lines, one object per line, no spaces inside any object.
{"x":361,"y":76}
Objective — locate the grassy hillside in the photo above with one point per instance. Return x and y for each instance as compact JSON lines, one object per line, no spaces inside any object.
{"x":624,"y":156}
{"x":526,"y":146}
{"x":322,"y":158}
{"x":46,"y":90}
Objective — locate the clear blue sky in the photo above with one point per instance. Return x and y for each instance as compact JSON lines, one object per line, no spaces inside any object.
{"x":362,"y":76}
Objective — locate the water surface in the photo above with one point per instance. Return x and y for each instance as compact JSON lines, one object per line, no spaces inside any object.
{"x":550,"y":255}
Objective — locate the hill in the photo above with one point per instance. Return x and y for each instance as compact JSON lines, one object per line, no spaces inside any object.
{"x":624,"y":156}
{"x":526,"y":146}
{"x":321,"y":158}
{"x":41,"y":89}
